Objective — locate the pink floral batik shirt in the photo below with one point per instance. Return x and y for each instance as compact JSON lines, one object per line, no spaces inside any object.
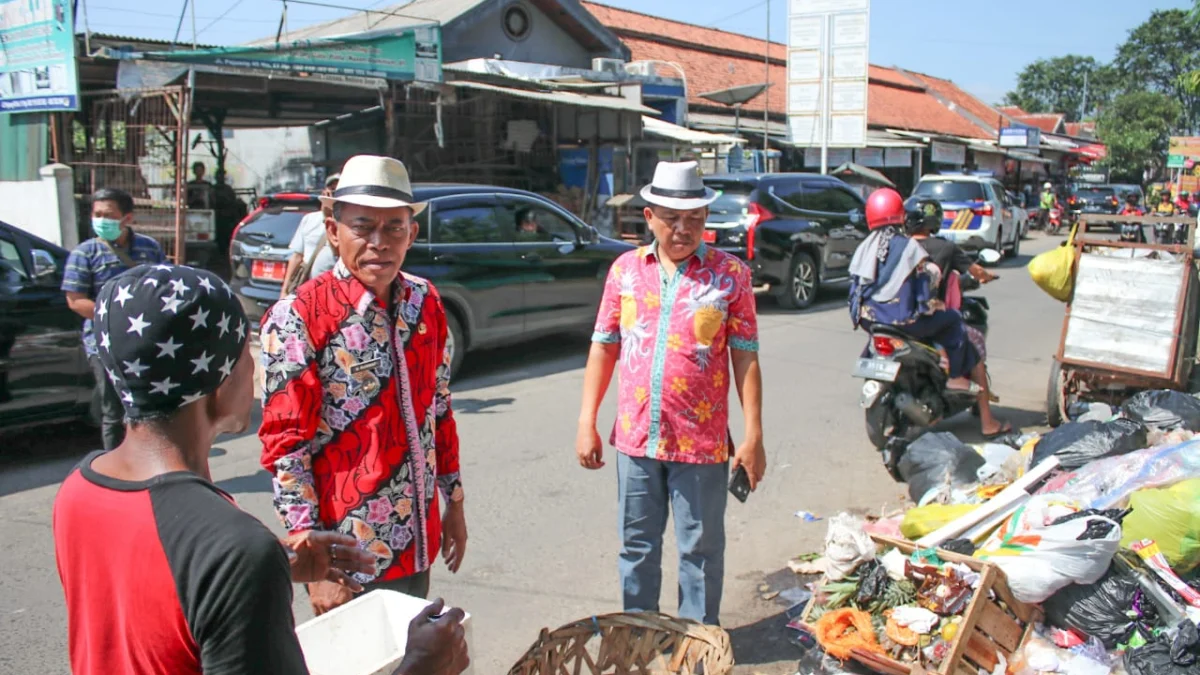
{"x":675,"y":333}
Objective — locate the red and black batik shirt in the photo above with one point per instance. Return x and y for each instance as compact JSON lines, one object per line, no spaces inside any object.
{"x":169,"y":577}
{"x":357,"y":426}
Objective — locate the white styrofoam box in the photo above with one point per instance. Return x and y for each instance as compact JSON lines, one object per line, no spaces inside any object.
{"x":365,"y":636}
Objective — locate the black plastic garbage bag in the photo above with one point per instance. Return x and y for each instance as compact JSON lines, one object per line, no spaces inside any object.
{"x":1079,"y":443}
{"x":1164,"y":656}
{"x":937,"y":459}
{"x":1109,"y":610}
{"x":1164,"y":409}
{"x":873,"y":582}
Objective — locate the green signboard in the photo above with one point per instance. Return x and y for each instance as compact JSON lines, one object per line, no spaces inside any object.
{"x":412,"y":55}
{"x":37,"y":56}
{"x":1175,"y":161}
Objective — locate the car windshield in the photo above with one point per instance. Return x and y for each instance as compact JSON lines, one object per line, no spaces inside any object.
{"x":277,"y":222}
{"x":730,"y":207}
{"x":950,"y":190}
{"x":1095,"y":192}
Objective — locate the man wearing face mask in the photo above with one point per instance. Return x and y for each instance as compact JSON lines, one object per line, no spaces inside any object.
{"x":115,"y":249}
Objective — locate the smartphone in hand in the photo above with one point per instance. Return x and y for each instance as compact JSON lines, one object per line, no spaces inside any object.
{"x":739,"y":484}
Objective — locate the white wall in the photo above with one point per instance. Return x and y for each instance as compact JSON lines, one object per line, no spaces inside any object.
{"x":45,"y":207}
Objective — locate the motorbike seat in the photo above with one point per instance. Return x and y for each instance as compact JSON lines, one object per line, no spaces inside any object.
{"x":894,"y":331}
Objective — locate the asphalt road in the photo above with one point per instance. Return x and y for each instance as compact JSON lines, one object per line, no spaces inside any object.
{"x":543,"y":538}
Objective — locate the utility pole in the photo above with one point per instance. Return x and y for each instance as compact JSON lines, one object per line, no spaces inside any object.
{"x":767,"y":96}
{"x":1083,"y":104}
{"x":193,"y":8}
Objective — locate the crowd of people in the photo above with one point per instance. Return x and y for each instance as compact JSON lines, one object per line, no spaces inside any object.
{"x":359,"y":433}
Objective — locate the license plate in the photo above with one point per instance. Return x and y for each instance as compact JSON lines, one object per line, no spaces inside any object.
{"x":710,"y":236}
{"x":877,"y":369}
{"x":269,"y":270}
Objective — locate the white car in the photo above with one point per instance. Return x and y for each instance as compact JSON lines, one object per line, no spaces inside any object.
{"x":1020,"y":214}
{"x":977,"y":212}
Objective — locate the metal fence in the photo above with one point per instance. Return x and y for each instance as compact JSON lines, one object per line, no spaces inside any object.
{"x":136,"y":141}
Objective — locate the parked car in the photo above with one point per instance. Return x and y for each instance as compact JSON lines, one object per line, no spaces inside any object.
{"x":44,"y":372}
{"x":977,"y":212}
{"x":500,"y":285}
{"x":1020,"y":213}
{"x":797,"y":231}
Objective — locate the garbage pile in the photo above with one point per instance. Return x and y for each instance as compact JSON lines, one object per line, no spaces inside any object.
{"x":1095,"y":526}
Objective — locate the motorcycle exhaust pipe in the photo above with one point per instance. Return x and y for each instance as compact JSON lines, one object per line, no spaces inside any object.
{"x":912,"y":409}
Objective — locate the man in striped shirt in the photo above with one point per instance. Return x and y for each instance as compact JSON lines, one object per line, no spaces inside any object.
{"x":115,"y":249}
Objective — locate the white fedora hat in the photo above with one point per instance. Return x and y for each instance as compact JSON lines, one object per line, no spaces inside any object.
{"x":680,"y":186}
{"x":379,"y":182}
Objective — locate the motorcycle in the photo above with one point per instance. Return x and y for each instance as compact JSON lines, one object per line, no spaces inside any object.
{"x":1054,"y":220}
{"x":905,"y":390}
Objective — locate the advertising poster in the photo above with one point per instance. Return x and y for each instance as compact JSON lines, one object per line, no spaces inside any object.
{"x":37,"y":56}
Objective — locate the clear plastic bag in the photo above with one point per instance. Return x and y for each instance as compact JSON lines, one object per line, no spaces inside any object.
{"x":1108,"y":482}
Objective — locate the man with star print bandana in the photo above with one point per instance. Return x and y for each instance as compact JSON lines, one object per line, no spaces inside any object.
{"x":162,"y":572}
{"x":357,"y":425}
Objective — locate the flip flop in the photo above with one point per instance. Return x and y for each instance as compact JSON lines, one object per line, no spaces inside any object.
{"x":1006,"y":428}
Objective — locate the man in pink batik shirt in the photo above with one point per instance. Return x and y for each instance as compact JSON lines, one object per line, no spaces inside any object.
{"x":674,"y":315}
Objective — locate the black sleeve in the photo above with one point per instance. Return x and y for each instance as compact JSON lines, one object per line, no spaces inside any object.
{"x":959,"y":261}
{"x":234,"y":583}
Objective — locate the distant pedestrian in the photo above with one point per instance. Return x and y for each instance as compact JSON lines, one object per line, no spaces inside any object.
{"x":115,"y":249}
{"x":357,"y":425}
{"x":310,"y":245}
{"x":674,"y":314}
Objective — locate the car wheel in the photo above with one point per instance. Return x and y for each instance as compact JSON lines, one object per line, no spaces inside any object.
{"x":458,"y":340}
{"x":1016,"y":248}
{"x":800,"y":289}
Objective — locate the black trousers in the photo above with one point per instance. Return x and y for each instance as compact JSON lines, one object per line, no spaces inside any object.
{"x":112,"y":413}
{"x":417,"y":585}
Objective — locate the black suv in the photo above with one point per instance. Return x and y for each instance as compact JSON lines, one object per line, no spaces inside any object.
{"x":500,"y":284}
{"x":797,"y":231}
{"x":44,"y":373}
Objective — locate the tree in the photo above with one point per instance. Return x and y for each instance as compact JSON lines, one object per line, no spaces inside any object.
{"x":1057,"y":85}
{"x":1136,"y":127}
{"x":1159,"y":55}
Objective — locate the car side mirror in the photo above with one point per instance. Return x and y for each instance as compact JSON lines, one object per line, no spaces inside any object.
{"x":856,"y":216}
{"x":45,"y":269}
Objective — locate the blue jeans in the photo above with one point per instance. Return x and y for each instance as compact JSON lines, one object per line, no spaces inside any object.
{"x":696,"y":494}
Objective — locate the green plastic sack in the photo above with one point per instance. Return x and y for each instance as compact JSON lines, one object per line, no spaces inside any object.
{"x":922,"y":520}
{"x":1053,"y":271}
{"x":1171,"y":517}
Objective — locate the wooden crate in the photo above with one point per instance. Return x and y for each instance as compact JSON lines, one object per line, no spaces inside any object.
{"x":989,"y":626}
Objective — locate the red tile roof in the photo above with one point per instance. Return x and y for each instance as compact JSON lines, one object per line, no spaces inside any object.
{"x":1047,"y":122}
{"x":715,"y":59}
{"x":1012,"y":110}
{"x":1080,"y":129}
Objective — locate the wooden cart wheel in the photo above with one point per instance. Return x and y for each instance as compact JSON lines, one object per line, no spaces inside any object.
{"x":1056,"y":395}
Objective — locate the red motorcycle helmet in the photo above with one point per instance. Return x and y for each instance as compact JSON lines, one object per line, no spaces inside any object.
{"x":885,"y":207}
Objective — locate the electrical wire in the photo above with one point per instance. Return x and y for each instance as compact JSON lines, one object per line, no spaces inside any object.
{"x":179,"y":26}
{"x":330,"y":5}
{"x":210,"y":24}
{"x":736,"y":14}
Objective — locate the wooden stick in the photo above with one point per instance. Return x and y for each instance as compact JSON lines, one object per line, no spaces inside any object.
{"x":1004,"y":499}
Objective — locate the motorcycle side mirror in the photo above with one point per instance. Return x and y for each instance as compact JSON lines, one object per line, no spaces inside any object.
{"x":990,"y":256}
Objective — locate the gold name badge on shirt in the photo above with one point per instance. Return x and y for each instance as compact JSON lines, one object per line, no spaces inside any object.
{"x":365,"y":365}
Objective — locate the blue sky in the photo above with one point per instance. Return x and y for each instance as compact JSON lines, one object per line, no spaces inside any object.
{"x":980,"y":45}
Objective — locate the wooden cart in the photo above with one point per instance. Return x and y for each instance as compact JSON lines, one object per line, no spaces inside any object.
{"x":1131,"y":323}
{"x":995,"y":623}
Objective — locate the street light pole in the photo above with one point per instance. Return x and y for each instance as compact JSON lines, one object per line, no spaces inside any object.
{"x":767,"y":95}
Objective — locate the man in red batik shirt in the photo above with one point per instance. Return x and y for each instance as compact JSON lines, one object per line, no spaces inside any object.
{"x":357,"y":426}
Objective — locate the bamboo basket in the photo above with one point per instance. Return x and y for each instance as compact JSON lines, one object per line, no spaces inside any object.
{"x":641,"y":643}
{"x":990,"y":625}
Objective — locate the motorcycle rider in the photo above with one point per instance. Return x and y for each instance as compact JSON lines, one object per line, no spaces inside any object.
{"x":1132,"y":231}
{"x":1165,"y":206}
{"x":923,"y":219}
{"x":1183,"y":202}
{"x":1047,"y":202}
{"x":893,"y":281}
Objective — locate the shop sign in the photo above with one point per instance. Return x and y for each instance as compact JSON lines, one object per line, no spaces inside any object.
{"x":948,"y":153}
{"x":37,"y":56}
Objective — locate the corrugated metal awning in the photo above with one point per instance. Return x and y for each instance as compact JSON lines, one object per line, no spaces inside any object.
{"x":664,"y":129}
{"x":561,"y":97}
{"x":1027,"y":157}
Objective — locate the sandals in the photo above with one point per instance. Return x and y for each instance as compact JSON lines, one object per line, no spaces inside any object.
{"x":1006,"y":428}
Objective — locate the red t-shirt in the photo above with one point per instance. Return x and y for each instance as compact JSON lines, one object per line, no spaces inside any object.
{"x":169,"y":577}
